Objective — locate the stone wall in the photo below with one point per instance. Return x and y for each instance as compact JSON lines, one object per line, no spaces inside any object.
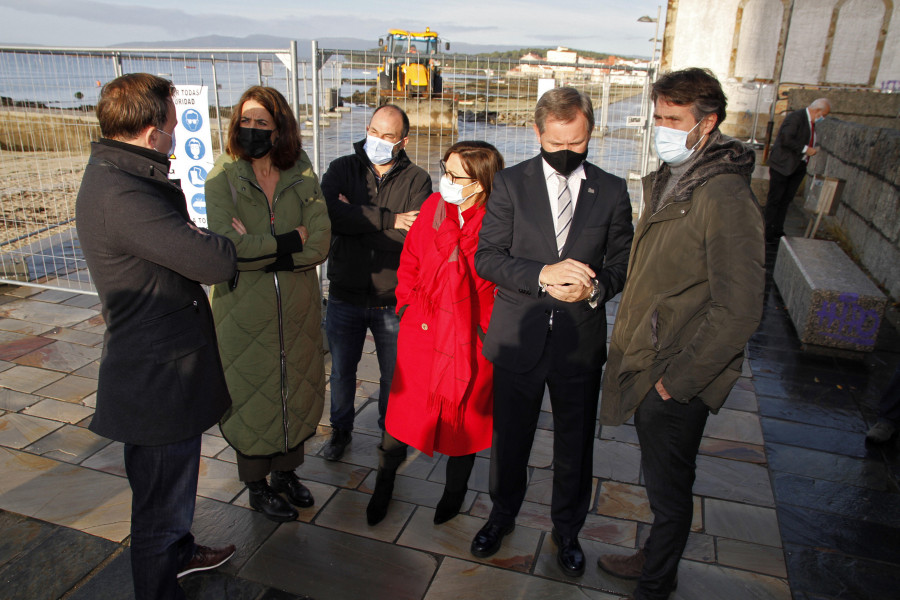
{"x":868,"y":216}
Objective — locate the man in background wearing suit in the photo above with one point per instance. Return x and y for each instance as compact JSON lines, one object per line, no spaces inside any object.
{"x":555,"y":240}
{"x":161,"y":383}
{"x":794,"y":144}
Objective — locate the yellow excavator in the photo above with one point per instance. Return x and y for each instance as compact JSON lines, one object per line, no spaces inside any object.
{"x":409,"y":75}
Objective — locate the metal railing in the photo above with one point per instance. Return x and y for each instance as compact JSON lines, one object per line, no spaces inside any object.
{"x":48,"y":96}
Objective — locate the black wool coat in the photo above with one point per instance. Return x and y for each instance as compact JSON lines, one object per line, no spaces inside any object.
{"x":161,"y":379}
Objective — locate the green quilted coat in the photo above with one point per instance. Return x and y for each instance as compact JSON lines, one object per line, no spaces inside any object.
{"x":276,"y":404}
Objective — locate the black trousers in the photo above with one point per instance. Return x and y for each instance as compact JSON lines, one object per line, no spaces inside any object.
{"x":517,"y":406}
{"x":669,"y":433}
{"x":782,"y":189}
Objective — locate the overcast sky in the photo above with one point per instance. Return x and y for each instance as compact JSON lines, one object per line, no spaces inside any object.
{"x":599,"y":25}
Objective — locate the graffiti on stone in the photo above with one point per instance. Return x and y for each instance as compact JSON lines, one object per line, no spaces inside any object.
{"x":847,"y":321}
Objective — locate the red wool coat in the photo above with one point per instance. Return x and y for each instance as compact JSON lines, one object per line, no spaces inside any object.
{"x":411,"y":418}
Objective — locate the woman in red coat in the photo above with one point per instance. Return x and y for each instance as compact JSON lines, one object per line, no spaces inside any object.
{"x":441,"y":395}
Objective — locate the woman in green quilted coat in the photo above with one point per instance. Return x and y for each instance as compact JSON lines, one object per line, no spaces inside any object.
{"x":264,"y":196}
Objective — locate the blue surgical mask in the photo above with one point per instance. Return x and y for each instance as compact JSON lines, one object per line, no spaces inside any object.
{"x":819,"y":119}
{"x":671,"y":145}
{"x":453,"y":192}
{"x":379,"y":151}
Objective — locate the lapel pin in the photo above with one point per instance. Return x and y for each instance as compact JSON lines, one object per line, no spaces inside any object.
{"x":590,"y":190}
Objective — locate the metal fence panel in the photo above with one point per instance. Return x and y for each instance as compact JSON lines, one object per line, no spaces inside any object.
{"x":47,"y":121}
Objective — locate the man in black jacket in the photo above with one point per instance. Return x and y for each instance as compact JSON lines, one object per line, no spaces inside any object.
{"x":794,"y":144}
{"x":161,"y":383}
{"x":373,"y":197}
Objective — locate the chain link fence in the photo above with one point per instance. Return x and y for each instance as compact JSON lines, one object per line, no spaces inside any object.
{"x":47,"y":121}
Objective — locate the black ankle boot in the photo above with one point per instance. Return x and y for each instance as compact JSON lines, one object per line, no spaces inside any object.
{"x":388,"y":462}
{"x":265,"y":500}
{"x":458,"y":470}
{"x":286,"y":482}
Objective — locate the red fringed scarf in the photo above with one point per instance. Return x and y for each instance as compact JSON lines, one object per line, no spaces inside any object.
{"x":447,"y":292}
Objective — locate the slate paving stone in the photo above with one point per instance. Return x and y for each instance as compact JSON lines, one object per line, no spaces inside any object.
{"x":57,"y":410}
{"x":20,"y":535}
{"x":827,"y":466}
{"x":853,"y":537}
{"x":751,"y":557}
{"x":734,"y":425}
{"x":218,"y":480}
{"x":110,"y":459}
{"x":733,"y":450}
{"x":347,"y":512}
{"x":53,"y":566}
{"x":741,"y":399}
{"x":69,"y":444}
{"x":616,"y":460}
{"x":741,"y":522}
{"x":846,"y":500}
{"x":700,"y":547}
{"x":46,"y":313}
{"x":811,"y":413}
{"x":90,"y":370}
{"x":823,"y":573}
{"x":24,"y":327}
{"x":27,"y":379}
{"x":733,"y":480}
{"x":14,"y":401}
{"x":698,"y":580}
{"x":54,"y":296}
{"x":333,"y":473}
{"x":74,"y":336}
{"x":15,"y":345}
{"x":462,"y":579}
{"x":71,"y":388}
{"x":112,"y":582}
{"x":814,"y":437}
{"x":622,"y":433}
{"x":211,"y":445}
{"x":479,"y":479}
{"x":454,"y":538}
{"x":318,"y":562}
{"x":60,"y":356}
{"x":18,"y":431}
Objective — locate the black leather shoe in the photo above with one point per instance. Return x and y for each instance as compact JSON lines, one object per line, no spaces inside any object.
{"x":265,"y":500}
{"x":569,"y":554}
{"x":489,"y":539}
{"x":286,"y":482}
{"x":340,"y":438}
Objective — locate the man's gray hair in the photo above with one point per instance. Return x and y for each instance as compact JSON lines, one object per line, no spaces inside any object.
{"x":821,"y":104}
{"x":563,"y":104}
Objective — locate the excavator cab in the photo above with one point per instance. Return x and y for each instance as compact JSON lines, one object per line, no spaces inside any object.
{"x":411,"y":65}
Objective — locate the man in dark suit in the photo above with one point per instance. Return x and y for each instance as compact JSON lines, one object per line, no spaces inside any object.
{"x":161,"y":383}
{"x":555,"y":240}
{"x":794,"y":144}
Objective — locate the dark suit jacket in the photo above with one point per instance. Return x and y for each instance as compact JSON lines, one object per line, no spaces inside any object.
{"x":518,"y":238}
{"x":793,"y":135}
{"x":161,"y":379}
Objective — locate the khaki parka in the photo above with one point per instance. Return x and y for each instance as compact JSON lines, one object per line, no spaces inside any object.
{"x":268,"y":320}
{"x":694,"y":291}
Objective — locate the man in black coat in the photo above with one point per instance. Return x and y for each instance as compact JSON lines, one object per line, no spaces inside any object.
{"x":373,"y":197}
{"x":161,"y":383}
{"x":555,"y":240}
{"x":794,"y":144}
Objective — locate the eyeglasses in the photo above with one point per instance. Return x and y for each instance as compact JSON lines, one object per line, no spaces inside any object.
{"x":453,"y":178}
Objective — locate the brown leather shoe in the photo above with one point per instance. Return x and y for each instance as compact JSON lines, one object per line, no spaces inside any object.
{"x":206,"y":558}
{"x":623,"y":566}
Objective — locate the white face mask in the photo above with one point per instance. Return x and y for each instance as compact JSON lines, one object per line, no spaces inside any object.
{"x":171,"y":138}
{"x":379,"y":151}
{"x":671,"y":145}
{"x":452,"y":192}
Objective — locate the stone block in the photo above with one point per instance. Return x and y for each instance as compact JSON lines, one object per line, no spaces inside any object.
{"x":829,"y":299}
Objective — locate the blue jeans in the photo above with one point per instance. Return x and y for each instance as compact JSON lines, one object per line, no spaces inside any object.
{"x":164,"y":489}
{"x":345,"y":326}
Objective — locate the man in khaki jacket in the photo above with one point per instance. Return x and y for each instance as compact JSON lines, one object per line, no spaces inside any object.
{"x":693,"y":297}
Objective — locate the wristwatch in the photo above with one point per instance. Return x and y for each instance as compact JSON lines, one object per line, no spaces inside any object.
{"x":595,"y":294}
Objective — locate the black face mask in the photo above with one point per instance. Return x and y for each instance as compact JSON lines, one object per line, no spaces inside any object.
{"x":564,"y":161}
{"x":255,"y":142}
